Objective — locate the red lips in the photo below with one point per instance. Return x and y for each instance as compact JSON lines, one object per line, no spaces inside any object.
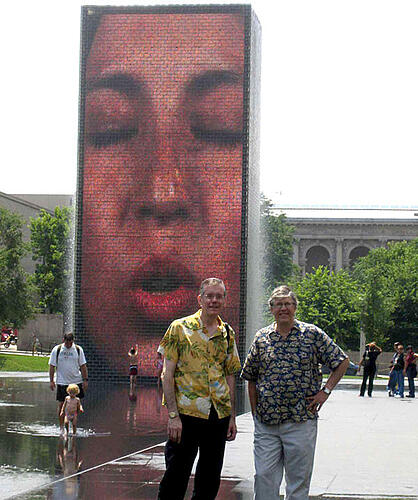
{"x":162,"y":289}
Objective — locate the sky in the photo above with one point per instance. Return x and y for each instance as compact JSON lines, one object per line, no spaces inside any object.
{"x":339,"y":99}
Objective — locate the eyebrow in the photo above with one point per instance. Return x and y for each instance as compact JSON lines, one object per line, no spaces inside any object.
{"x":212,"y":79}
{"x":120,"y":82}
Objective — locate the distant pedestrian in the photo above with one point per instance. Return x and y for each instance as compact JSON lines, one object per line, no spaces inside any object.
{"x":392,"y":382}
{"x":410,"y":370}
{"x":133,"y":367}
{"x":368,"y":361}
{"x":71,"y":408}
{"x":68,"y":360}
{"x":36,"y":345}
{"x":398,"y":369}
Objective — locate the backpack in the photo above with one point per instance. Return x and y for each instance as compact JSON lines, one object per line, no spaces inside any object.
{"x":59,"y":350}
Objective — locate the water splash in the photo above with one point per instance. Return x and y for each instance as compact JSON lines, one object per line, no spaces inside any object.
{"x":48,"y":430}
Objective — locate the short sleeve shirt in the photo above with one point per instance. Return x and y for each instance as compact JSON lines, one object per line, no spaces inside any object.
{"x":286,"y":370}
{"x":202,"y":364}
{"x":68,"y":364}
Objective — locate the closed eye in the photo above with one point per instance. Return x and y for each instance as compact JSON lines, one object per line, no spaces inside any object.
{"x":214,"y":136}
{"x":111,"y":137}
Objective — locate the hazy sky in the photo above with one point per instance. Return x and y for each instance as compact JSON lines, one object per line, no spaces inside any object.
{"x":339,"y":111}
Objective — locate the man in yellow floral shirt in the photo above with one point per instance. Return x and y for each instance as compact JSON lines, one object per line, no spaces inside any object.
{"x":200,"y":363}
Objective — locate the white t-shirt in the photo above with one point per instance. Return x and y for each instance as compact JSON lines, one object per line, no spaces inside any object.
{"x":69,"y":362}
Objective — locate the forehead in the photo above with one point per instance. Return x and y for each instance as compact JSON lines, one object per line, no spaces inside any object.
{"x":213,"y":289}
{"x":170,"y":44}
{"x":281,"y":298}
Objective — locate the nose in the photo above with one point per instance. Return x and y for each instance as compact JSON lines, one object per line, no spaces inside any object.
{"x":171,"y":195}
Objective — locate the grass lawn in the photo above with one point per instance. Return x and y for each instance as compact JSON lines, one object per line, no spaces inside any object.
{"x":18,"y":363}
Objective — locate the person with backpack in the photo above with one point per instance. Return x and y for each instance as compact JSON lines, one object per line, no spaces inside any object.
{"x":69,"y":363}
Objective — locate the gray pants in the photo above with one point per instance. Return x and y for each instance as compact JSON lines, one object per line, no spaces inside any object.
{"x":290,"y":447}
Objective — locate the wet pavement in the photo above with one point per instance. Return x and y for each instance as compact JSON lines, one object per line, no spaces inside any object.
{"x":33,"y":454}
{"x":367,"y":447}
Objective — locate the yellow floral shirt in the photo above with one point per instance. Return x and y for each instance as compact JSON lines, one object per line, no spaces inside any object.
{"x":203,"y":363}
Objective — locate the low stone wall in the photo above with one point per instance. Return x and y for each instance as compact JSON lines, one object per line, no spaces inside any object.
{"x":47,"y":327}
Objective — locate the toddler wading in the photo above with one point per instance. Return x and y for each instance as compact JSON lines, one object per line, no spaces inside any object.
{"x":71,"y":408}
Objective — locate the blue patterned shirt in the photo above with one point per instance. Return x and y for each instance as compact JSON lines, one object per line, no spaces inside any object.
{"x":286,"y":370}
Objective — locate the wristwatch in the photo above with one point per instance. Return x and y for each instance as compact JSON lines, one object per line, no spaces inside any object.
{"x":173,"y":414}
{"x":326,"y":390}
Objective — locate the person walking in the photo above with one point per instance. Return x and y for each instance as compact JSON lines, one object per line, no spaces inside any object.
{"x":198,"y":379}
{"x":284,"y":388}
{"x":410,"y":370}
{"x":69,"y":362}
{"x":368,"y":361}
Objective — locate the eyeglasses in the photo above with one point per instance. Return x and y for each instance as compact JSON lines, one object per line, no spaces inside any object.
{"x":212,"y":296}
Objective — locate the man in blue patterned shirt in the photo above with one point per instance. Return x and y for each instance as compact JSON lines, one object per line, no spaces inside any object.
{"x":284,"y":387}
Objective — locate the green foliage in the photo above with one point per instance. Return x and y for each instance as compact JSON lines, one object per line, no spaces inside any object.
{"x":50,"y":242}
{"x":20,"y":363}
{"x":331,"y":300}
{"x":16,"y":297}
{"x":278,"y":247}
{"x":389,"y":277}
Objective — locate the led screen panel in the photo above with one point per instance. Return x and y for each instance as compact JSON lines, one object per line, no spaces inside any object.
{"x":163,"y":174}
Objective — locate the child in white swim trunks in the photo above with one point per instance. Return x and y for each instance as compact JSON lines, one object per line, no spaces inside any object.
{"x":71,"y":407}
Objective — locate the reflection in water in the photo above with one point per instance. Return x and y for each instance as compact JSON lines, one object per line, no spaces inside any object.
{"x":68,"y":463}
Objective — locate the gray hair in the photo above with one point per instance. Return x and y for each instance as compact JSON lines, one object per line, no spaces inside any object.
{"x":211,"y":281}
{"x":282,"y":291}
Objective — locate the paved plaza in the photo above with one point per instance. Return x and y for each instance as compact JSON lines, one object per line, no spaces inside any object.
{"x":367,"y":448}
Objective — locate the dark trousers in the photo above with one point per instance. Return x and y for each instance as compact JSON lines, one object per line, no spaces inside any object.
{"x":207,"y":436}
{"x":411,"y":373}
{"x":368,"y":373}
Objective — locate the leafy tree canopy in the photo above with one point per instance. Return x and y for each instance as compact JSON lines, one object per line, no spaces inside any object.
{"x":50,"y":242}
{"x":16,"y":294}
{"x":389,"y":277}
{"x":278,"y":246}
{"x":330,"y":300}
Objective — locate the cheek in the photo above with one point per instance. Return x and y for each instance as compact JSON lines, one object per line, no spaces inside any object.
{"x":221,"y":176}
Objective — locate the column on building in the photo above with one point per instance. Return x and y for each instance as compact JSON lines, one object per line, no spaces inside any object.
{"x":339,"y":254}
{"x":296,"y":252}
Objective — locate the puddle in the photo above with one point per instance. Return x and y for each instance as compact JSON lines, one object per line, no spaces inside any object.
{"x":15,"y":480}
{"x":48,"y":430}
{"x":155,"y":460}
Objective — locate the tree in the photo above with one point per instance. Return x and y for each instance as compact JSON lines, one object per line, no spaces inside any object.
{"x":389,"y":277}
{"x":331,"y":300}
{"x":16,"y":303}
{"x":50,"y":242}
{"x":277,"y":236}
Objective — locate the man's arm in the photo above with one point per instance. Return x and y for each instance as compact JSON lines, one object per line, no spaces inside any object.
{"x":232,"y":428}
{"x":51,"y":377}
{"x":174,"y":426}
{"x":252,"y":395}
{"x":85,"y":375}
{"x":316,"y":401}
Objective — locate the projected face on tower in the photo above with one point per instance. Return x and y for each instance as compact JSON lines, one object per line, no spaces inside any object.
{"x":162,"y":175}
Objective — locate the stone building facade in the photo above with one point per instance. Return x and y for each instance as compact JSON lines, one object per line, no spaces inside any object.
{"x":337,"y":243}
